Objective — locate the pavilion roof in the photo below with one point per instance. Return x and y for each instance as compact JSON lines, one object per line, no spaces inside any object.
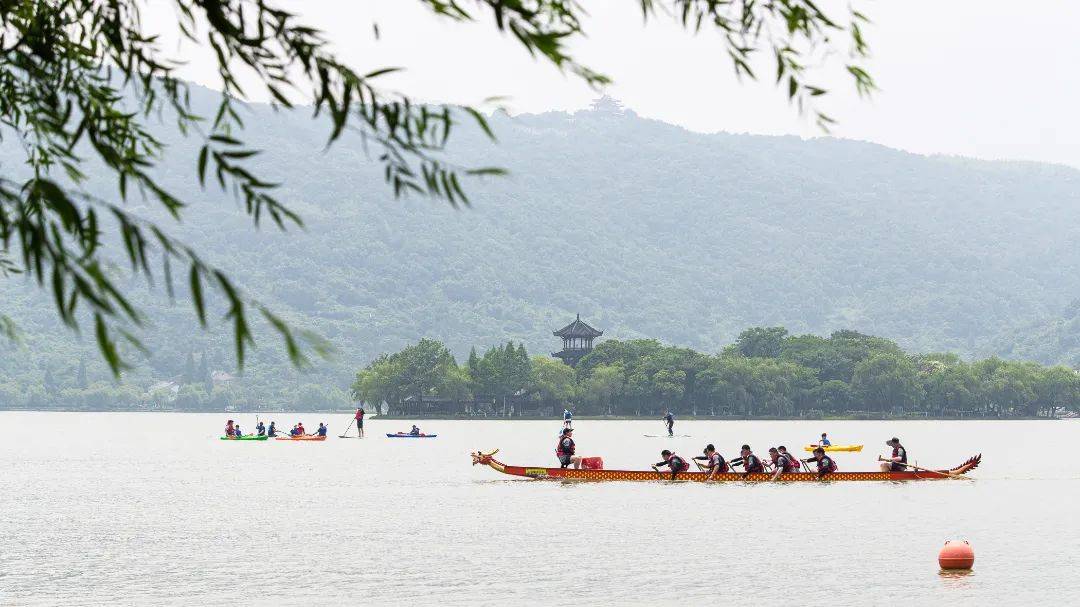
{"x":578,"y":328}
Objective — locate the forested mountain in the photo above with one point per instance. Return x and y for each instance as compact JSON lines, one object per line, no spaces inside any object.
{"x":646,"y":229}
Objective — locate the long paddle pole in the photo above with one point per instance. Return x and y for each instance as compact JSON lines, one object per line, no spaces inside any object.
{"x":342,"y":435}
{"x":939,"y":472}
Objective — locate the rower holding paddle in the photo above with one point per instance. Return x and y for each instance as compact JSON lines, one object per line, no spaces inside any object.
{"x":825,"y":464}
{"x":260,"y":429}
{"x":672,"y":461}
{"x":714,"y":462}
{"x":322,"y":429}
{"x":782,"y":462}
{"x":898,"y":461}
{"x":824,"y":442}
{"x":566,"y":448}
{"x":751,"y":463}
{"x":272,"y":431}
{"x":229,"y":431}
{"x":669,"y":419}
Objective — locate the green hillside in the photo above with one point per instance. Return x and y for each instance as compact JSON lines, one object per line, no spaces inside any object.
{"x":644,"y":228}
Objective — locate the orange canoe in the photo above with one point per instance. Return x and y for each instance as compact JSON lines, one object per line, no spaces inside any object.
{"x":302,"y":437}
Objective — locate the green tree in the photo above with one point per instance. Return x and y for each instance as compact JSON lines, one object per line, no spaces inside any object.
{"x":765,"y":342}
{"x":887,"y":381}
{"x":551,"y":381}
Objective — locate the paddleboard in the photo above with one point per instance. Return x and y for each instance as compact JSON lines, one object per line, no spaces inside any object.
{"x":666,"y":436}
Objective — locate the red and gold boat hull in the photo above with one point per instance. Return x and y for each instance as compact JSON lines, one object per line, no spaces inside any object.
{"x":488,"y":459}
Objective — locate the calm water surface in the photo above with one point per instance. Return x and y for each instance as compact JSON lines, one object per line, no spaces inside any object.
{"x":153,"y":509}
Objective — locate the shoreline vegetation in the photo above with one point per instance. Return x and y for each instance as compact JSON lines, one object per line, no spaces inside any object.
{"x":767,"y":374}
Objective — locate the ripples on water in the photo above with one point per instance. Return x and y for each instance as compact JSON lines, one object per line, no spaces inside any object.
{"x":153,"y":509}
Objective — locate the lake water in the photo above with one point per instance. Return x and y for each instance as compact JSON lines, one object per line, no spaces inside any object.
{"x":149,"y":508}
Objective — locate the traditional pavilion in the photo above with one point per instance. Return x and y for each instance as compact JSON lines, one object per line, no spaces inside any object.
{"x":577,"y":338}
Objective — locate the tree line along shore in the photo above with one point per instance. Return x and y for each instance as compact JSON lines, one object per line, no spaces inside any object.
{"x":765,"y":374}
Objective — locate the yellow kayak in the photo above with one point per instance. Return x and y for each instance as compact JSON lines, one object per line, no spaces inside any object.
{"x":835,"y":448}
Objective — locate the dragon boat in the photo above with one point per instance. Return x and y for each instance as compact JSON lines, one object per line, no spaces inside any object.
{"x":488,"y":459}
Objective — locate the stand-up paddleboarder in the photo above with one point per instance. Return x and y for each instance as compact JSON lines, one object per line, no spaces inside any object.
{"x":360,"y":421}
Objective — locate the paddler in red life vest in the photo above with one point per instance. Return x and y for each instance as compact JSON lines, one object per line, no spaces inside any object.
{"x":714,"y":462}
{"x":751,"y":463}
{"x":229,"y":428}
{"x":672,"y":461}
{"x":794,"y":460}
{"x":898,"y":461}
{"x":565,"y":449}
{"x":782,"y":463}
{"x":825,"y":464}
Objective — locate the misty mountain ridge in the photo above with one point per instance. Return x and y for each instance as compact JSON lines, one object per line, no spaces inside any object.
{"x":644,"y":228}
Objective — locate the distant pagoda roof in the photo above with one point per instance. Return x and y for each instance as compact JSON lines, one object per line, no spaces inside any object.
{"x":578,"y":329}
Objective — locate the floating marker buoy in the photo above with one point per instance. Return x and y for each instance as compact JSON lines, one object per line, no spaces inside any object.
{"x":956,"y":555}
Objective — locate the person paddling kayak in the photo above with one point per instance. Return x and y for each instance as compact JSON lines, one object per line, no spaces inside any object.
{"x":322,"y":429}
{"x":567,"y":418}
{"x":669,"y":419}
{"x":672,"y":461}
{"x":229,"y":428}
{"x":237,"y":432}
{"x":272,"y":431}
{"x":300,"y":429}
{"x":260,"y":429}
{"x":825,"y":464}
{"x":714,"y":462}
{"x":415,"y":430}
{"x":898,"y":461}
{"x":359,"y":417}
{"x":824,"y":442}
{"x":565,"y":449}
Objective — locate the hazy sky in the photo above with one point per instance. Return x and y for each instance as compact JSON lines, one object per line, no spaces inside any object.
{"x":983,"y":78}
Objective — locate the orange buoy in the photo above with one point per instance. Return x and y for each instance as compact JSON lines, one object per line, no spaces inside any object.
{"x":956,"y":555}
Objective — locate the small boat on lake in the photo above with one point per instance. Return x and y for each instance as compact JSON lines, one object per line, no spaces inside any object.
{"x":301,"y":437}
{"x":488,"y":459}
{"x":811,"y":448}
{"x":407,"y":435}
{"x":247,"y":437}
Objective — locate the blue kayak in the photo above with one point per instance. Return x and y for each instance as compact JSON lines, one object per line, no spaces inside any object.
{"x":407,"y":435}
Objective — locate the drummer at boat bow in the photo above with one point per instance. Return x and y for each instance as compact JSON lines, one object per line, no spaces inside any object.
{"x":782,"y":462}
{"x":565,"y":449}
{"x":751,"y":463}
{"x":714,"y":462}
{"x":898,"y":461}
{"x":674,"y":462}
{"x":825,"y":464}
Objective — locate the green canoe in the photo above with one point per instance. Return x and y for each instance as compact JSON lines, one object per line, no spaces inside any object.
{"x":248,"y":437}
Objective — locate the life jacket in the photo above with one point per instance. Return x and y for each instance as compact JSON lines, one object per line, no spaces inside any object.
{"x":786,"y":463}
{"x":901,"y":452}
{"x":562,"y":450}
{"x":827,"y":464}
{"x":228,"y":429}
{"x":752,"y":463}
{"x":300,"y":430}
{"x":359,"y":414}
{"x":677,"y":463}
{"x":718,"y":462}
